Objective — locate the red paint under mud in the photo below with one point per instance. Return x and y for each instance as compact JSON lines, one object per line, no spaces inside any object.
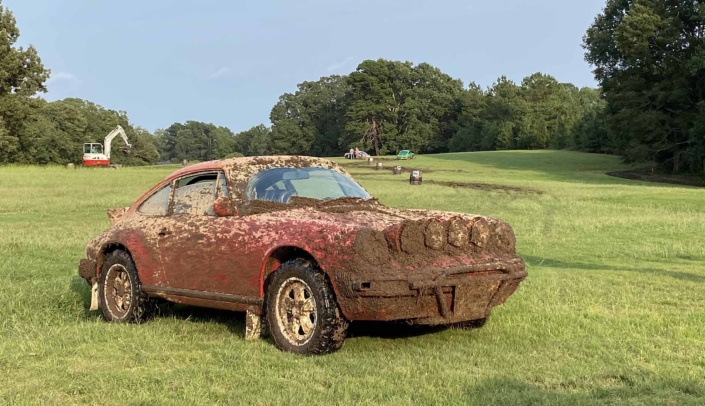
{"x":426,"y":267}
{"x":96,"y":162}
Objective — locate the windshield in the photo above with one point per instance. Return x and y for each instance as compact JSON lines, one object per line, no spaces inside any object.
{"x":404,"y":152}
{"x":280,"y":184}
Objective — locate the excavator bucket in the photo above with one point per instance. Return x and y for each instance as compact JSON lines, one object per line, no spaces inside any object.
{"x":126,"y":150}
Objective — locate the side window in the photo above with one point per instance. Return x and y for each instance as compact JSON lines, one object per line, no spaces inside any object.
{"x":157,"y":204}
{"x":195,"y":194}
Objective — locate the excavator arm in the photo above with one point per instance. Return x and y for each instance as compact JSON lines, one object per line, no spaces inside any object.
{"x":109,"y":140}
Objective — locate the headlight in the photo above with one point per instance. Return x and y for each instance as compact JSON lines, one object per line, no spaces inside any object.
{"x":371,"y":246}
{"x":412,"y":237}
{"x":503,"y":237}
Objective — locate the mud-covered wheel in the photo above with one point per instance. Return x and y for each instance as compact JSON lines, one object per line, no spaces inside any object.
{"x":469,"y":325}
{"x":119,"y":290}
{"x":302,"y":312}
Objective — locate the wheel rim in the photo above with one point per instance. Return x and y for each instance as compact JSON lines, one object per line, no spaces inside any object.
{"x":118,"y":290}
{"x":296,"y":311}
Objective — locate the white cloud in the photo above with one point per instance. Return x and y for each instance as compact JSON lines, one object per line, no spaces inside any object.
{"x":62,"y":77}
{"x":336,"y":66}
{"x":220,"y":73}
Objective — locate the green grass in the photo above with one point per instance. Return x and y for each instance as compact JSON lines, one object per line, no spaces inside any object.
{"x":613,"y":311}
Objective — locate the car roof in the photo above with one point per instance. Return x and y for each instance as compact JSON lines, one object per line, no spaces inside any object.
{"x":223,"y":164}
{"x":233,"y":167}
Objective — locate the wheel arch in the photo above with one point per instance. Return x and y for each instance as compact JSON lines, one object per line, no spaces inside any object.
{"x":278,"y":256}
{"x":106,"y":250}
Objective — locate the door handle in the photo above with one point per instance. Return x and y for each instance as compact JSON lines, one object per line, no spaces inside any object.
{"x":164,"y":232}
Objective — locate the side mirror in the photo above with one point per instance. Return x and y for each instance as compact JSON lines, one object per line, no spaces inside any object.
{"x":225,"y":207}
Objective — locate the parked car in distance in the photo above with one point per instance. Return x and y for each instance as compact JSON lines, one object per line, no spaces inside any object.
{"x":300,"y":247}
{"x":361,"y":155}
{"x":405,"y":154}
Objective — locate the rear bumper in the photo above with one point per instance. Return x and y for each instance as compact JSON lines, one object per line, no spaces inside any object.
{"x":456,"y":295}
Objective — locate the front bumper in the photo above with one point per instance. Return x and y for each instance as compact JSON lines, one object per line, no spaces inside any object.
{"x":457,"y":294}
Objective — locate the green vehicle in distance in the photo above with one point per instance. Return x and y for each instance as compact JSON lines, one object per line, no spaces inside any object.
{"x":405,"y":154}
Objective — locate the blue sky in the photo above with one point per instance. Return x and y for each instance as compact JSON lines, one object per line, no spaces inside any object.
{"x":228,"y":61}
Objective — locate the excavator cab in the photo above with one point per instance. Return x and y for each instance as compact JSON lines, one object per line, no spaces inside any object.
{"x":93,"y":155}
{"x":92,"y":148}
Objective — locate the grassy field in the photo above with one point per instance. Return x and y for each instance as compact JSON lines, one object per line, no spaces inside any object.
{"x":613,"y":311}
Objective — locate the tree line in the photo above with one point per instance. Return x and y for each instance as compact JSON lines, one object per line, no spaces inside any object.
{"x":34,"y":131}
{"x":386,"y":106}
{"x":648,"y":58}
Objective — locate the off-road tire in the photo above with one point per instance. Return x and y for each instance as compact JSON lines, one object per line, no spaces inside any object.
{"x":329,"y":325}
{"x":136,"y":305}
{"x":470,"y":325}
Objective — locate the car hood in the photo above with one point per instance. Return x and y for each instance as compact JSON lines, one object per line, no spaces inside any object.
{"x":406,"y":230}
{"x":401,"y":240}
{"x":357,"y":213}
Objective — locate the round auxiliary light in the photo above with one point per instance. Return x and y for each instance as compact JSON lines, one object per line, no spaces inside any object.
{"x":458,"y":232}
{"x":435,"y":235}
{"x":480,"y":233}
{"x":371,"y":246}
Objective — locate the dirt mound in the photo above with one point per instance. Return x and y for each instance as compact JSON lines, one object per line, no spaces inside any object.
{"x":647,"y":175}
{"x":484,"y":186}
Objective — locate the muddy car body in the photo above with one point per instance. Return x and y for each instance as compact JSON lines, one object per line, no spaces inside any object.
{"x":296,"y":242}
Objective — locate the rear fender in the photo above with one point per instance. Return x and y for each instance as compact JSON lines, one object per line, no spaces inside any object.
{"x":116,"y":214}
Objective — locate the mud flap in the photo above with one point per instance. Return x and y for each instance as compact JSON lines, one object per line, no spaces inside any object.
{"x":94,"y":297}
{"x":253,"y":325}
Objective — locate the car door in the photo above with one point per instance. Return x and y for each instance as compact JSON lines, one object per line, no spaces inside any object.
{"x":140,"y":234}
{"x":199,"y":250}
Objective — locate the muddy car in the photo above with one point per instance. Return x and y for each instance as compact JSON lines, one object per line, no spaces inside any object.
{"x":300,"y":247}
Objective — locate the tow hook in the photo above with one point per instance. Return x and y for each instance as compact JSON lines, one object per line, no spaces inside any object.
{"x":94,"y":296}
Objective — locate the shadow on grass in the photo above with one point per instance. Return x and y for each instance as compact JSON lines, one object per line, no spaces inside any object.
{"x":553,"y":263}
{"x":389,"y":330}
{"x":235,"y":321}
{"x":615,"y":389}
{"x":83,"y":292}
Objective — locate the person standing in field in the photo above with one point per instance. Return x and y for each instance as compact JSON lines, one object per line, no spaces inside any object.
{"x":357,"y":153}
{"x":352,"y":153}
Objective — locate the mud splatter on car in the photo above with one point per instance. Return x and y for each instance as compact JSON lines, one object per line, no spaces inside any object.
{"x":297,"y":244}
